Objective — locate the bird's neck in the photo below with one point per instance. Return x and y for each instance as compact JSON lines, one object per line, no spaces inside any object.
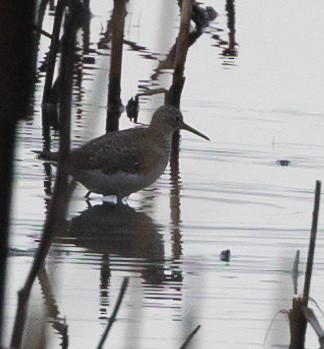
{"x":161,"y":137}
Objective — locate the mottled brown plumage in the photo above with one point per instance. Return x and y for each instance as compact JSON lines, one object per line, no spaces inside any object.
{"x":123,"y":162}
{"x":119,"y":151}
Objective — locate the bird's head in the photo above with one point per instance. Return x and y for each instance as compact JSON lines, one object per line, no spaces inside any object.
{"x":170,"y":119}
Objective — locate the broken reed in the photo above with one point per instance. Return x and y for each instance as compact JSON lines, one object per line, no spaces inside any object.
{"x":298,"y":321}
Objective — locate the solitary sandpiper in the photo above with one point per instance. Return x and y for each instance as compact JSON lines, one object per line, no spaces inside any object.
{"x":123,"y":162}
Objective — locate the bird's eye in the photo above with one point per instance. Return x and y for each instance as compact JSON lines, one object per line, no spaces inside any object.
{"x":177,"y":119}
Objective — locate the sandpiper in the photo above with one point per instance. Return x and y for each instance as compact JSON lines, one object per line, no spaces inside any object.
{"x":123,"y":162}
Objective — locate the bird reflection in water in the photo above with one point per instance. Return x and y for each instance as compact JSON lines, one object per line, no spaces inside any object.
{"x":118,"y":229}
{"x":110,"y":229}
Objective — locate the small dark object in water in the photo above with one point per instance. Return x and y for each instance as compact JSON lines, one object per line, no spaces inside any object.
{"x":202,"y":17}
{"x":225,"y":256}
{"x":283,"y":162}
{"x":88,"y":60}
{"x":176,"y":275}
{"x":132,"y":108}
{"x":230,"y":52}
{"x":211,"y":13}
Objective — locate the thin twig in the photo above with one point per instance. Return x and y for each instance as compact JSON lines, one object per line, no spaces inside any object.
{"x":189,"y":338}
{"x":41,"y":31}
{"x":282,"y":311}
{"x":152,"y":92}
{"x":311,"y":318}
{"x":114,"y":314}
{"x":317,"y":306}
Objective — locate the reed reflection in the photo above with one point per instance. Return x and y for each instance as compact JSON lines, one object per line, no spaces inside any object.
{"x":86,"y":29}
{"x":230,"y":52}
{"x":55,"y":317}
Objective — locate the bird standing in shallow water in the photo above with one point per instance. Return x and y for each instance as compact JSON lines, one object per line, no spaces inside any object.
{"x":123,"y":162}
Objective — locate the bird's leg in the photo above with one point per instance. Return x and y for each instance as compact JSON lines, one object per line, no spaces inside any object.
{"x":120,"y":201}
{"x":88,"y":194}
{"x":88,"y":203}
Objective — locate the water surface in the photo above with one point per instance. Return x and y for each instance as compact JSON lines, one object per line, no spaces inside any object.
{"x":261,"y":106}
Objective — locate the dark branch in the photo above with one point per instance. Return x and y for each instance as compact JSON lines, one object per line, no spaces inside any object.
{"x":189,"y":338}
{"x":114,"y":314}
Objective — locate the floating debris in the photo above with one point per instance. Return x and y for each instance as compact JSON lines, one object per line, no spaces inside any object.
{"x":88,"y":60}
{"x":225,"y":255}
{"x":132,"y":108}
{"x":283,"y":162}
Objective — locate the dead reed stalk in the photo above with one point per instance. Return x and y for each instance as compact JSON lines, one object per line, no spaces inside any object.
{"x":298,"y":321}
{"x":59,"y":202}
{"x":114,"y":102}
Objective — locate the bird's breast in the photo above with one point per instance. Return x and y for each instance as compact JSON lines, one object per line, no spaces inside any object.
{"x":155,"y":160}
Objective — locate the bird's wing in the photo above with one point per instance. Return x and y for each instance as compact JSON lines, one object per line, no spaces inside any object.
{"x":112,"y":152}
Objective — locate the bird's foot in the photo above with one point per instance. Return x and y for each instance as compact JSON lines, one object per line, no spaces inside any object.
{"x":122,"y":201}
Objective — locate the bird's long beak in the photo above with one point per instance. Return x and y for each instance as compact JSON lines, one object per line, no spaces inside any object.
{"x":192,"y":130}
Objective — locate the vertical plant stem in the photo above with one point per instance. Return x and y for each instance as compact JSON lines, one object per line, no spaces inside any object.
{"x":173,"y":97}
{"x":53,"y":50}
{"x":298,"y":323}
{"x":114,"y":102}
{"x":16,"y":82}
{"x":7,"y":140}
{"x":230,"y":8}
{"x":174,"y":94}
{"x":86,"y":29}
{"x":60,"y":199}
{"x":312,"y":242}
{"x":182,"y":46}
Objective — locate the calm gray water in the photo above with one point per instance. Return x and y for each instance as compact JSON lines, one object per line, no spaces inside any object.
{"x":262,"y":106}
